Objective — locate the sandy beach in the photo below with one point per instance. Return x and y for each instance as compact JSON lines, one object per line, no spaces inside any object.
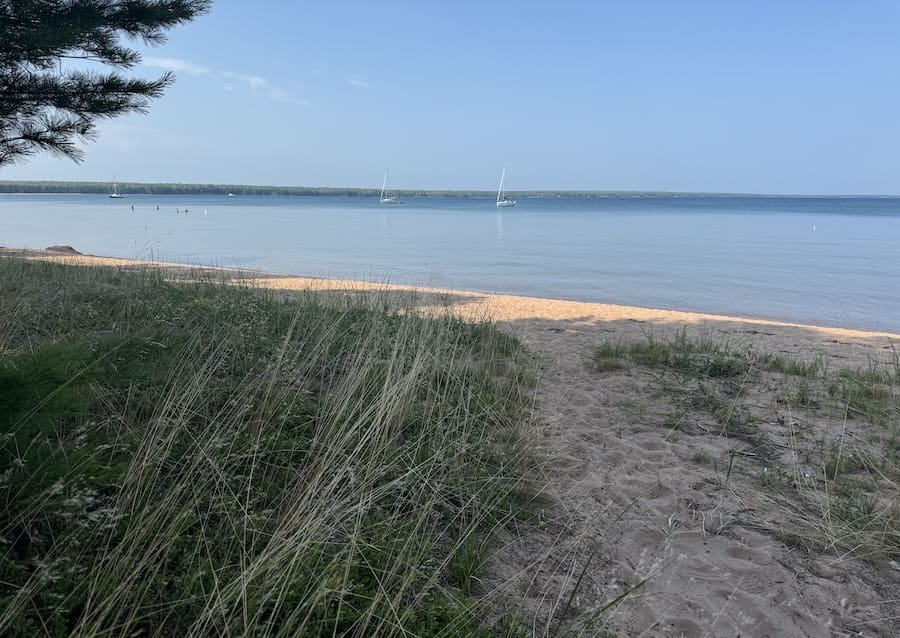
{"x":647,"y":493}
{"x":512,"y":308}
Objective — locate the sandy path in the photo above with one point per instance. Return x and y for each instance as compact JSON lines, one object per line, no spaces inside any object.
{"x":628,"y":498}
{"x":630,"y":504}
{"x":633,"y":502}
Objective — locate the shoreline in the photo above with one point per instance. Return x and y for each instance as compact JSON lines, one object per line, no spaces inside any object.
{"x":499,"y":306}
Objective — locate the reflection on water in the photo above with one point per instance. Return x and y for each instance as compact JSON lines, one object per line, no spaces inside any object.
{"x":732,"y":255}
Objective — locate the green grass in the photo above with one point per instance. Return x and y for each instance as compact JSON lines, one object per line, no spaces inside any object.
{"x":703,"y":356}
{"x":793,"y":366}
{"x":609,"y":356}
{"x":195,"y":459}
{"x":871,"y":393}
{"x":696,"y":357}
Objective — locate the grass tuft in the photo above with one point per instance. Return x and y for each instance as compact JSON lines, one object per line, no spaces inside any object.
{"x":703,"y":356}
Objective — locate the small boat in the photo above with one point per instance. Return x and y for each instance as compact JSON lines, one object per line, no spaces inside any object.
{"x":386,"y":200}
{"x":231,"y":194}
{"x":115,"y":194}
{"x":502,"y":201}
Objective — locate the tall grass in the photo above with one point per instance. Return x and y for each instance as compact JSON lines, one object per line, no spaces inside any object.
{"x":199,"y":459}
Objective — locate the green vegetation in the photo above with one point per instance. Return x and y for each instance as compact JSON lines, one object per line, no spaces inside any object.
{"x":701,"y":357}
{"x":190,"y":458}
{"x":794,"y":367}
{"x":46,"y":106}
{"x":133,"y":188}
{"x":870,"y":393}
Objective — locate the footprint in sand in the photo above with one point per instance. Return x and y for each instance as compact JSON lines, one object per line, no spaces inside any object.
{"x":748,"y":555}
{"x":613,"y":457}
{"x":682,"y":627}
{"x":651,"y":445}
{"x":652,"y":489}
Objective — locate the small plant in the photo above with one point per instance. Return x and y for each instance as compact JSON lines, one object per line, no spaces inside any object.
{"x":650,"y":352}
{"x":701,"y":457}
{"x":608,"y":357}
{"x":775,"y":477}
{"x":803,"y":393}
{"x":793,"y":366}
{"x":716,"y":523}
{"x":672,"y":524}
{"x":869,"y":393}
{"x":466,"y":562}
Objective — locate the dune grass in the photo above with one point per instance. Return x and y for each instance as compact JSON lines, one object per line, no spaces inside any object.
{"x":199,"y":459}
{"x":779,"y":413}
{"x":703,"y":357}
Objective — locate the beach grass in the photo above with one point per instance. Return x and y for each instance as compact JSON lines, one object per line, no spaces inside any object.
{"x":703,"y":357}
{"x":818,"y":443}
{"x":190,"y":458}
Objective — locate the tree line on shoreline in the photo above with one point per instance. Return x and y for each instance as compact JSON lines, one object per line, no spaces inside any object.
{"x":138,"y":188}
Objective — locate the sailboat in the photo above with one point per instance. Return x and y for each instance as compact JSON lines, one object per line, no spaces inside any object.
{"x":383,"y":199}
{"x":502,"y":202}
{"x":115,"y":194}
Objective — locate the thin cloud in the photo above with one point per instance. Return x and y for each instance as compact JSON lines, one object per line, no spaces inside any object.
{"x":256,"y":84}
{"x":281,"y":95}
{"x":177,"y":64}
{"x":363,"y":85}
{"x":253,"y":82}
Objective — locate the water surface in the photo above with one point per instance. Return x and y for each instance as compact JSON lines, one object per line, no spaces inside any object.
{"x":829,"y":261}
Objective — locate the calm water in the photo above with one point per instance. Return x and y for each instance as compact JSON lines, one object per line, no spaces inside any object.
{"x":821,"y":260}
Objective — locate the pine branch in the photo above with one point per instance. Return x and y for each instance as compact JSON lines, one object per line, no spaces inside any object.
{"x":45,"y":109}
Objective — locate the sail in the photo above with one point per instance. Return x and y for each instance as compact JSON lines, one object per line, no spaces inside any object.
{"x":501,"y":197}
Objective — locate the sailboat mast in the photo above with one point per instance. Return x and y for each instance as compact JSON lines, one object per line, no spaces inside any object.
{"x":500,"y":190}
{"x":383,"y":185}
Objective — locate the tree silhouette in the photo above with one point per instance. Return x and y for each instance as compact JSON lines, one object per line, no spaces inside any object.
{"x":45,"y":106}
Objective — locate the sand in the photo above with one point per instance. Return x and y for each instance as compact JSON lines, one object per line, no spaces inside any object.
{"x":636,"y":485}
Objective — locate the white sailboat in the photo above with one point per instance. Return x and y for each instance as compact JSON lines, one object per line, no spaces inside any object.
{"x":502,"y":202}
{"x":115,"y":194}
{"x":386,"y":200}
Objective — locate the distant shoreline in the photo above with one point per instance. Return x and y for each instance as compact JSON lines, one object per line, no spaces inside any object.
{"x":25,"y":187}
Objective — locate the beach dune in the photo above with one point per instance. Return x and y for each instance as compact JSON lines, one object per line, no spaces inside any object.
{"x":654,"y":494}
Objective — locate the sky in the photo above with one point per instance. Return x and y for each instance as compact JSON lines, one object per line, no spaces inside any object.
{"x":751,"y":97}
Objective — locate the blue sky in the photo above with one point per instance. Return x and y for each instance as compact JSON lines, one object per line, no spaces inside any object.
{"x":765,"y":97}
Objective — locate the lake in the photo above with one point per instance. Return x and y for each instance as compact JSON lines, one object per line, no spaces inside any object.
{"x":828,"y":261}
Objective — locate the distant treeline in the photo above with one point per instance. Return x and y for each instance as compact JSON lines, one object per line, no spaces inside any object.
{"x":136,"y":188}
